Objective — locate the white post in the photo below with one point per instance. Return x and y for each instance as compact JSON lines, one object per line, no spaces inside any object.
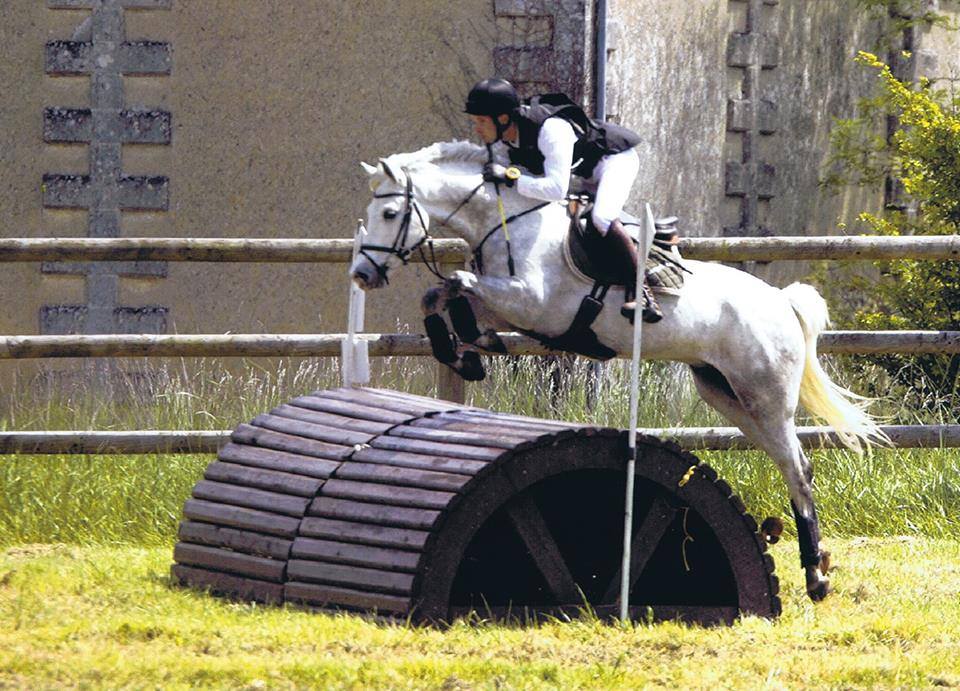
{"x":354,"y":358}
{"x":647,"y":231}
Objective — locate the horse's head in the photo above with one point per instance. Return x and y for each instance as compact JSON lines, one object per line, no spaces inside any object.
{"x":396,"y":225}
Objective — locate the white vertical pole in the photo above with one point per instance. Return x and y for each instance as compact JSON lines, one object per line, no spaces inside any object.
{"x":646,"y":236}
{"x":354,"y":358}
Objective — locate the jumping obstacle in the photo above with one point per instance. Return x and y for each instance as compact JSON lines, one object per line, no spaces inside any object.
{"x":379,"y":501}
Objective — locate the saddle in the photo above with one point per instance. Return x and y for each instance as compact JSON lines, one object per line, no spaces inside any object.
{"x":585,"y":255}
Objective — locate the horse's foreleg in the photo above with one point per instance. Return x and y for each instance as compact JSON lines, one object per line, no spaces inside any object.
{"x":442,"y":343}
{"x":513,"y":300}
{"x":457,"y":300}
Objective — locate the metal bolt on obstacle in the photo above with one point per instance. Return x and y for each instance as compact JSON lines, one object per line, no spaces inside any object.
{"x":687,"y":476}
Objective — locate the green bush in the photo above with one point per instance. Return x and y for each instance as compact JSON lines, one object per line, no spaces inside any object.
{"x":924,"y":154}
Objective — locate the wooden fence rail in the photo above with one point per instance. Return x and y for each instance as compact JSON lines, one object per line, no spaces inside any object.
{"x":447,"y":252}
{"x":196,"y":441}
{"x":455,"y":251}
{"x":381,"y":345}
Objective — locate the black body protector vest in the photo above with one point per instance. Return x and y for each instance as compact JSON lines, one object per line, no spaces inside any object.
{"x":595,"y":138}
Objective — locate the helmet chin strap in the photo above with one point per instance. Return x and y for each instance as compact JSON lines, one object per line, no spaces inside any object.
{"x":501,"y":129}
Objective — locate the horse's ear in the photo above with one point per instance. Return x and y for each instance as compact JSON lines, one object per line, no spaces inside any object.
{"x":371,"y":170}
{"x":389,"y":171}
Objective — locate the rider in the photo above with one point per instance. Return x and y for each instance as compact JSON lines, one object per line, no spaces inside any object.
{"x":552,"y":138}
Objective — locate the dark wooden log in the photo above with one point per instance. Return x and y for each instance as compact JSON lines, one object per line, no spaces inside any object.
{"x":389,"y":516}
{"x":327,"y":405}
{"x":258,"y":478}
{"x":413,"y":460}
{"x":236,"y":495}
{"x":331,"y":597}
{"x":436,"y":448}
{"x":453,"y":437}
{"x":332,"y":435}
{"x":364,"y":533}
{"x":405,"y":405}
{"x":231,"y":562}
{"x":329,"y":419}
{"x":245,"y":541}
{"x":403,"y":477}
{"x":387,"y":494}
{"x":227,"y":584}
{"x":355,"y":576}
{"x":239,"y":517}
{"x":256,"y":436}
{"x":281,"y":461}
{"x":381,"y":558}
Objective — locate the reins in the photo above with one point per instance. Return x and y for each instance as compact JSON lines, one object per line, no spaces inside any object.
{"x":477,"y":262}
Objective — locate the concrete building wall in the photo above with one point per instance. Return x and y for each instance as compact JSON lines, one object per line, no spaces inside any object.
{"x":261,"y":114}
{"x":736,"y":99}
{"x":220,"y":118}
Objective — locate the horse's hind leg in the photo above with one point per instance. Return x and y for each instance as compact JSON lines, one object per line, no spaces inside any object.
{"x":773,"y":430}
{"x":444,"y":348}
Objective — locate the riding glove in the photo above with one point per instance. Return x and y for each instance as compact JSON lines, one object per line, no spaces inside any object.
{"x":494,"y":172}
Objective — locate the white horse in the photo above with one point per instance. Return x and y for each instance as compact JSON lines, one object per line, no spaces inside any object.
{"x":751,"y":346}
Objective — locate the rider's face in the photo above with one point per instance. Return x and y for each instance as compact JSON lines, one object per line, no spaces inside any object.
{"x":486,"y":128}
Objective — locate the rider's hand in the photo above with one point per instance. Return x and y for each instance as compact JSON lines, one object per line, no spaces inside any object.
{"x":494,"y":172}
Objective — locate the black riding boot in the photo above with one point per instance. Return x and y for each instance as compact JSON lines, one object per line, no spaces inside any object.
{"x":623,"y":251}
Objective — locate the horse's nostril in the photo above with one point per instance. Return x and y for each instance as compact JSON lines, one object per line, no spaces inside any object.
{"x":361,"y":277}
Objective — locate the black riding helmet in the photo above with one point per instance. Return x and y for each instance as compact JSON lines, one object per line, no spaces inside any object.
{"x":492,"y":97}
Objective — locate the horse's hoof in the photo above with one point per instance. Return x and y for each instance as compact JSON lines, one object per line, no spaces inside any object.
{"x":771,"y":529}
{"x":471,"y":368}
{"x":819,"y":590}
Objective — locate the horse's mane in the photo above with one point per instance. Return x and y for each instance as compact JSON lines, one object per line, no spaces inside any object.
{"x":441,"y":152}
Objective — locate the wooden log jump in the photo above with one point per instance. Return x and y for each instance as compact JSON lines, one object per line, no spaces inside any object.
{"x":379,"y":501}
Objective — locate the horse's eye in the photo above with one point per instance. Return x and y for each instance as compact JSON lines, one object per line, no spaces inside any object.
{"x":389,"y":214}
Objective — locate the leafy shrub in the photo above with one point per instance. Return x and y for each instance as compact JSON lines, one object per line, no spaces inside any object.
{"x":924,"y":154}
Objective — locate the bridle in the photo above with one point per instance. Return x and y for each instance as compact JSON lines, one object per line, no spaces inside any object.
{"x":398,"y":248}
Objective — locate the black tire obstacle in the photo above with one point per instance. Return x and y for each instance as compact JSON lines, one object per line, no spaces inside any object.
{"x":380,"y":501}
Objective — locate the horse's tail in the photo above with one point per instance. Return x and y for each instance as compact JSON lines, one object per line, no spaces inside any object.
{"x":843,"y":410}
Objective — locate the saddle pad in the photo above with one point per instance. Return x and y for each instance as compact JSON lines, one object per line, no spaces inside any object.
{"x":664,"y":272}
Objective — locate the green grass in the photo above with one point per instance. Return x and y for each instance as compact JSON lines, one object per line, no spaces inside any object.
{"x":86,"y":546}
{"x":95,"y":617}
{"x":138,"y":499}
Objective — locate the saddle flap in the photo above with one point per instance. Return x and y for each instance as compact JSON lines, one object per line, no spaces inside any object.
{"x":664,"y":268}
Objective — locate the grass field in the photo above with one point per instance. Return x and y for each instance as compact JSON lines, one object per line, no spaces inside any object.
{"x":107,"y":617}
{"x":86,"y":545}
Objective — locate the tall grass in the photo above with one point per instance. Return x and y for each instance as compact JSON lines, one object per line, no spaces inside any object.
{"x":138,"y":499}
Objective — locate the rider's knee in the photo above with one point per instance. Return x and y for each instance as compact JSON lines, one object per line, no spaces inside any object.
{"x":601,"y":221}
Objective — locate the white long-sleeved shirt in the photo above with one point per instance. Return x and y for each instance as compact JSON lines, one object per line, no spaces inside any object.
{"x":556,"y":141}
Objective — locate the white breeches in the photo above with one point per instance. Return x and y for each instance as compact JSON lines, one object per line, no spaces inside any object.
{"x":612,"y":179}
